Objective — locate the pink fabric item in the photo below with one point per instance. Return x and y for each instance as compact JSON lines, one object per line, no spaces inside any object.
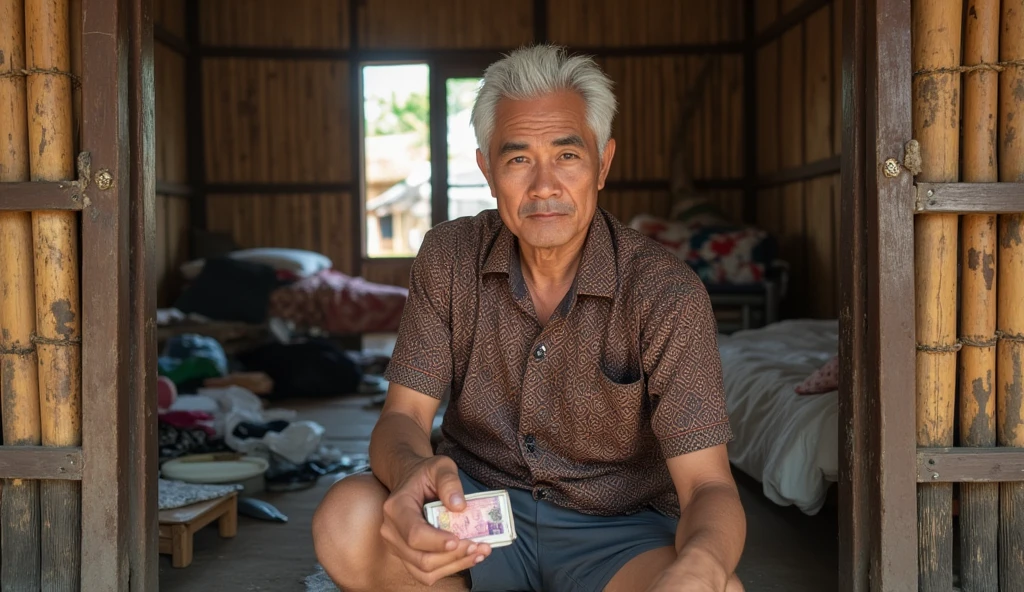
{"x":340,"y":304}
{"x":189,"y":420}
{"x":823,"y":380}
{"x":166,"y":392}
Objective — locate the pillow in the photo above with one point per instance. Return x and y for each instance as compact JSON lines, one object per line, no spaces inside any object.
{"x":296,"y":262}
{"x":823,"y":380}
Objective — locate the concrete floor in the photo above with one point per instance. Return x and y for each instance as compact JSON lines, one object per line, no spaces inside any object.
{"x":786,"y":550}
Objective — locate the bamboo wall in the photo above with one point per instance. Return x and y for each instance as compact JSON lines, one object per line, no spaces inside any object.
{"x":799,"y":115}
{"x":967,"y":100}
{"x":172,"y":211}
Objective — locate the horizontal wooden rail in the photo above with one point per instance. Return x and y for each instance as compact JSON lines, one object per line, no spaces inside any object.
{"x":819,"y":168}
{"x":455,"y":55}
{"x":41,"y":196}
{"x":175,"y":189}
{"x":970,"y":465}
{"x":970,"y":198}
{"x":40,"y":462}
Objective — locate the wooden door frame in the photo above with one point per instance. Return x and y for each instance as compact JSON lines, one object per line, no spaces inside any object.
{"x":115,"y":194}
{"x":878,"y":485}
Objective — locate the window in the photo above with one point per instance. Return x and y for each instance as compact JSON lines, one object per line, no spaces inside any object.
{"x":398,"y":161}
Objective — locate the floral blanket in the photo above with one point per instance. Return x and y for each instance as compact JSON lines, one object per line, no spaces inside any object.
{"x":720,"y":252}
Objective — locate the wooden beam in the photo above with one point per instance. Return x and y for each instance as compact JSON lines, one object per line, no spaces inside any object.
{"x":855,"y":411}
{"x":357,"y":217}
{"x":174,"y":189}
{"x":969,"y":198}
{"x":540,"y":21}
{"x":455,"y":56}
{"x":970,"y":465}
{"x":140,"y":346}
{"x":105,"y":251}
{"x":750,"y":132}
{"x":41,"y":196}
{"x":40,"y":462}
{"x":890,"y":284}
{"x":789,"y":20}
{"x":818,"y":168}
{"x":195,"y":140}
{"x":171,"y":40}
{"x":276,"y":188}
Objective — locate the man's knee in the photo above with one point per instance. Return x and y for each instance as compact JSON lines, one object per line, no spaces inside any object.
{"x":346,"y":531}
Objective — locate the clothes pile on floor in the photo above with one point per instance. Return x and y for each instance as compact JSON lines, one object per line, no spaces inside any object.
{"x":210,"y":404}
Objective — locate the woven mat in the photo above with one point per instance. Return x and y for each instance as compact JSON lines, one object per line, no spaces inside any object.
{"x":319,"y":581}
{"x":175,"y":494}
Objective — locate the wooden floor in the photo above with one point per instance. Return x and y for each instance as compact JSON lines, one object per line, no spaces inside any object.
{"x":786,"y":550}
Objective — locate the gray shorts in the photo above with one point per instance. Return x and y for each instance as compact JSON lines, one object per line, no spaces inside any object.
{"x":561,"y":549}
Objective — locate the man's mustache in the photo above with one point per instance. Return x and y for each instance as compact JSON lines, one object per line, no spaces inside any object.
{"x":546,"y":206}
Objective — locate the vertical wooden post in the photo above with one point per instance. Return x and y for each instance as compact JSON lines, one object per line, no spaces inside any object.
{"x":979,"y":502}
{"x":58,"y":321}
{"x":19,"y":506}
{"x":1010,"y":351}
{"x":936,"y":26}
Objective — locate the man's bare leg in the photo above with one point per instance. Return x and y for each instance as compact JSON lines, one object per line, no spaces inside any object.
{"x":641,"y":571}
{"x":346,"y":536}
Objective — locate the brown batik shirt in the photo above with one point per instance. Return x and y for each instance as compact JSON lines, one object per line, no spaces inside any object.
{"x":584,"y":410}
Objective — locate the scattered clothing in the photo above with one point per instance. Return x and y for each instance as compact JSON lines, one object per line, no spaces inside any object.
{"x":313,"y":368}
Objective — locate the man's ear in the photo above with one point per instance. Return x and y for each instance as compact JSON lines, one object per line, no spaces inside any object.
{"x":480,"y":162}
{"x":606,"y":163}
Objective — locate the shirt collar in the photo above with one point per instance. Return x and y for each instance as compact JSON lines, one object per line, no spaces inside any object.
{"x":597,"y":274}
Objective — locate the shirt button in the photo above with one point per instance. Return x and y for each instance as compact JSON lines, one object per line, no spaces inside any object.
{"x":541,"y":493}
{"x":539,"y":353}
{"x":531,"y":443}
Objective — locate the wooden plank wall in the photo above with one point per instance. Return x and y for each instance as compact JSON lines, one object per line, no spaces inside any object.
{"x":277,"y":134}
{"x":799,"y":122}
{"x":172,"y":211}
{"x":272,"y":119}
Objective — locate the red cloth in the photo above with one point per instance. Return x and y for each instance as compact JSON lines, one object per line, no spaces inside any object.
{"x":189,"y":420}
{"x":340,"y":304}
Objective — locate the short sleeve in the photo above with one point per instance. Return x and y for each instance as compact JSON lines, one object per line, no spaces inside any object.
{"x":422,"y":359}
{"x":684,"y":372}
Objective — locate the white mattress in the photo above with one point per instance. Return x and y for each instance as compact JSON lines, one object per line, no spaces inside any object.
{"x":786,"y":441}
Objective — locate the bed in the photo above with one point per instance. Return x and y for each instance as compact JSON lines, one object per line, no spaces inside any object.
{"x":786,"y":441}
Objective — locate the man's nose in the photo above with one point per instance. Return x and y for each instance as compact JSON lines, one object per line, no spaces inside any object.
{"x":545,"y":183}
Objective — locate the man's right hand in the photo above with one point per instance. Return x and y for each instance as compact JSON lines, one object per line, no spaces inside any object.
{"x":429,"y":554}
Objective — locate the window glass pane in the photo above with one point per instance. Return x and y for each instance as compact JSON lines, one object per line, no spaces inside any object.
{"x":396,"y":128}
{"x":468,"y":193}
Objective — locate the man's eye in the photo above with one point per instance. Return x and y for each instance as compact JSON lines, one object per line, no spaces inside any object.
{"x":518,"y":159}
{"x":569,"y":156}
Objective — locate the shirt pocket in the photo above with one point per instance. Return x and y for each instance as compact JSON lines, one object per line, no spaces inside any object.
{"x":609,"y":419}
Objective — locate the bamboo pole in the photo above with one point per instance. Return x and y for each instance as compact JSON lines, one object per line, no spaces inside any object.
{"x":979,"y":502}
{"x":936,"y":27}
{"x":19,"y":506}
{"x":58,"y":322}
{"x":1010,"y":311}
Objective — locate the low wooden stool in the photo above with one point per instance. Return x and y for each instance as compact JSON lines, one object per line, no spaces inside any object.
{"x":179,"y":524}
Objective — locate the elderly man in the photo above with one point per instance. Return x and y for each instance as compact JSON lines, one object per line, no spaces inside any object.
{"x":584,"y":375}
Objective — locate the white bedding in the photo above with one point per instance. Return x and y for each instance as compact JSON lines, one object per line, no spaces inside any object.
{"x":786,"y":441}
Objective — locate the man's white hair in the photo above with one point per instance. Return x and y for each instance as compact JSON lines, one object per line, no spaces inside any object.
{"x":535,"y":71}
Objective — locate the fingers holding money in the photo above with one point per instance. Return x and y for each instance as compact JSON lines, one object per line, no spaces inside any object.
{"x":468,"y":560}
{"x":428,"y":553}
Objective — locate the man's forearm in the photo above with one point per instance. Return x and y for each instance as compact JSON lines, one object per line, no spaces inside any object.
{"x":711,"y":533}
{"x":397,"y":444}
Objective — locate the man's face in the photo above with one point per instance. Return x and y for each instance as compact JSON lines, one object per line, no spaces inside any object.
{"x":545,"y":171}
